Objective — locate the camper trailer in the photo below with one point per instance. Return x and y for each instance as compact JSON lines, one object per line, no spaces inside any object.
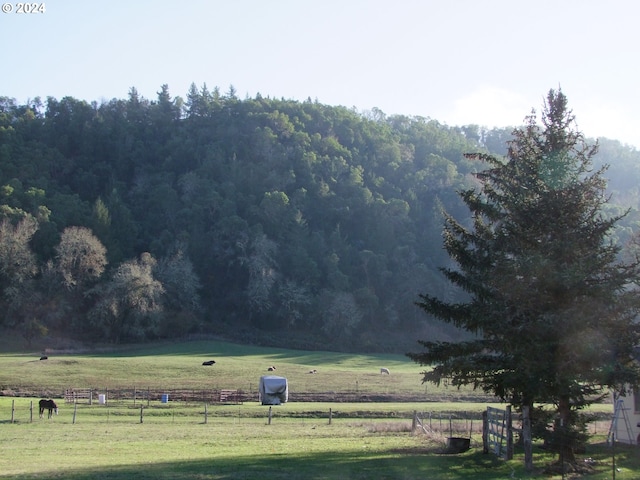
{"x":273,"y":390}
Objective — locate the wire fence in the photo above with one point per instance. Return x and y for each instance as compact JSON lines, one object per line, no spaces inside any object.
{"x":140,"y":407}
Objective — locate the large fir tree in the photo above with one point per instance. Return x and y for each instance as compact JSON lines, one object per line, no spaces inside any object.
{"x":550,"y":307}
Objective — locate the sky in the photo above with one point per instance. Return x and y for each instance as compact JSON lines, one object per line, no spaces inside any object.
{"x":484,"y":62}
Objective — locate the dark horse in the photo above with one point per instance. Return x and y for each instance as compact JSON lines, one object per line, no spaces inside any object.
{"x":48,"y":405}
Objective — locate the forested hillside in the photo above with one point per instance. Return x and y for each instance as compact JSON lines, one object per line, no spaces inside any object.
{"x":264,"y":220}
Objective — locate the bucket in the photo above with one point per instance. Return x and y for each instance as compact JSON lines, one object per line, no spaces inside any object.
{"x":102,"y":399}
{"x":164,"y":398}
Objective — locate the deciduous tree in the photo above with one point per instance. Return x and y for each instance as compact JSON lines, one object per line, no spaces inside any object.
{"x":129,"y":305}
{"x":80,"y":257}
{"x":17,"y":261}
{"x":18,"y":266}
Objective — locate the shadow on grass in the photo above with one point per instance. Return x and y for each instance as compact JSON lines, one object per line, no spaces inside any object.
{"x":221,"y":349}
{"x":406,"y":465}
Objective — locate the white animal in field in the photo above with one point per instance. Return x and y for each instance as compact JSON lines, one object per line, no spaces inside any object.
{"x":385,"y":370}
{"x":271,"y":368}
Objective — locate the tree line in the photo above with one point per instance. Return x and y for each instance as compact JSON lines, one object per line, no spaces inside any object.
{"x":266,"y":220}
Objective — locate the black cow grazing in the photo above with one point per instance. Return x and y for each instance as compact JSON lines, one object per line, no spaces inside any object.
{"x":209,"y":362}
{"x":44,"y":357}
{"x":48,"y":405}
{"x":271,"y":368}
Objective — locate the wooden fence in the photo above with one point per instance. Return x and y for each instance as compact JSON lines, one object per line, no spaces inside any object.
{"x":141,"y":396}
{"x":91,"y":395}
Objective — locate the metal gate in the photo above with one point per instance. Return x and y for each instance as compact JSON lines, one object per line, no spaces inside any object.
{"x":499,"y":432}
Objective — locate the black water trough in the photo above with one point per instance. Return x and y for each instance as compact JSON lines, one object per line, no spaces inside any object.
{"x":458,"y":444}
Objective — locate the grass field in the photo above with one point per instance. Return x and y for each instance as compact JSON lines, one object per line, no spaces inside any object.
{"x":175,"y":366}
{"x":303,"y":440}
{"x":174,"y":441}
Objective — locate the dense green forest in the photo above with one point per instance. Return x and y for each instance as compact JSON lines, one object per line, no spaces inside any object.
{"x":262,"y":220}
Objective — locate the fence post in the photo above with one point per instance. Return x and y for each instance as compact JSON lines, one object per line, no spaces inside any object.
{"x":269,"y":415}
{"x":141,"y":411}
{"x":613,"y":456}
{"x":205,"y":413}
{"x":13,"y":409}
{"x":31,"y":412}
{"x":414,"y":422}
{"x":526,"y":438}
{"x":509,"y":452}
{"x":75,"y":409}
{"x":330,"y":415}
{"x":485,"y":432}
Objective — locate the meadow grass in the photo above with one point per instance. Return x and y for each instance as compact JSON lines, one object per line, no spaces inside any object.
{"x":239,"y":442}
{"x":179,"y":366}
{"x":222,"y":449}
{"x":176,"y":441}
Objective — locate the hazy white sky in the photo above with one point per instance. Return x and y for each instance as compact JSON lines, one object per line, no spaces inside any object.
{"x":487,"y":62}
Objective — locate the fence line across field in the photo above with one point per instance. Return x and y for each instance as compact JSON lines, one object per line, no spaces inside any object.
{"x":136,"y":395}
{"x":454,"y":424}
{"x":122,"y":410}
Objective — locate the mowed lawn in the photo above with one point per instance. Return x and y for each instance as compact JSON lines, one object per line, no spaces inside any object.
{"x":302,"y":440}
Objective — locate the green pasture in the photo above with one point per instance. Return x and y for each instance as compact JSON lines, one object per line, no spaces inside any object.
{"x":213,"y":441}
{"x":297,"y":441}
{"x":176,"y":366}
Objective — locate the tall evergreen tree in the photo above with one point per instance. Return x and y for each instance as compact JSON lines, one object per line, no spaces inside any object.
{"x":550,"y":307}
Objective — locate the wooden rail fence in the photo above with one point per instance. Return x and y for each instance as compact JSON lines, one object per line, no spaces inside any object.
{"x":136,"y":395}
